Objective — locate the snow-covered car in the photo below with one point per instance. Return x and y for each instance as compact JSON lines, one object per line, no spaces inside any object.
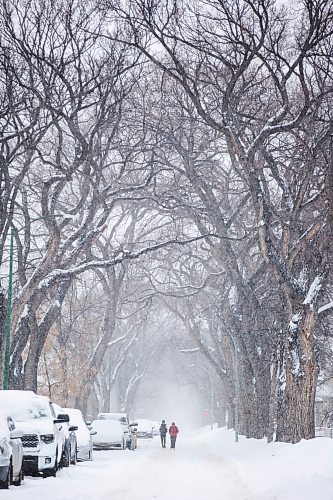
{"x":11,"y":453}
{"x":122,"y":417}
{"x":110,"y":434}
{"x":43,"y":438}
{"x":145,"y":428}
{"x":156,"y":425}
{"x":70,"y":447}
{"x":83,"y":434}
{"x":124,"y":420}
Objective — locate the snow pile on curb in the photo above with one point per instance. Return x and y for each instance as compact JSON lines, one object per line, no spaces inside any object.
{"x":276,"y":471}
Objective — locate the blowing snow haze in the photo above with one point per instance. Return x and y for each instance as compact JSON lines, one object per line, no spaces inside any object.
{"x":166,"y":230}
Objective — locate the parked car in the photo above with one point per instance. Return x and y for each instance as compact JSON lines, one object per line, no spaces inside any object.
{"x":43,"y":437}
{"x":110,"y":434}
{"x":145,"y":428}
{"x":124,"y":420}
{"x":134,"y":438}
{"x":70,"y":447}
{"x":11,"y":453}
{"x":122,"y":417}
{"x":83,"y":434}
{"x":156,"y":425}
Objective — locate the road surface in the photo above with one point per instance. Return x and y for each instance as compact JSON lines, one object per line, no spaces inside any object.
{"x":189,"y":472}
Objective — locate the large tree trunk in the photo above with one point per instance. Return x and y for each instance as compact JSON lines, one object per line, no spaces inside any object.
{"x":37,"y":340}
{"x":262,"y":397}
{"x":254,"y":401}
{"x":272,"y":410}
{"x":95,"y":362}
{"x":31,"y":366}
{"x":295,"y":416}
{"x":16,"y":380}
{"x":39,"y":333}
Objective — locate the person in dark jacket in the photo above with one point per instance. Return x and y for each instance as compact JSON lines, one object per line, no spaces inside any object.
{"x":163,"y":433}
{"x":173,"y":431}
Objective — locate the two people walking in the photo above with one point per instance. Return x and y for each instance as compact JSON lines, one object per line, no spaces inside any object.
{"x":173,"y":432}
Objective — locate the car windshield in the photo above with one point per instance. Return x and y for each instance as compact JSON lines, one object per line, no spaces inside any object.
{"x":106,"y":424}
{"x":30,"y":410}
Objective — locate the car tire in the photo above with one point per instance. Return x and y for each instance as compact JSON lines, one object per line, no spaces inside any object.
{"x":50,"y":472}
{"x":4,"y":485}
{"x":20,"y":478}
{"x":66,"y":456}
{"x":74,"y":459}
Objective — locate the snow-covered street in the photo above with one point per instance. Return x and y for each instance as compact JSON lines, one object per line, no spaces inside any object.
{"x":208,"y":466}
{"x":187,"y":473}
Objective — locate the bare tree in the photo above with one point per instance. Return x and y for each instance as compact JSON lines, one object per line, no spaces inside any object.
{"x":254,"y":82}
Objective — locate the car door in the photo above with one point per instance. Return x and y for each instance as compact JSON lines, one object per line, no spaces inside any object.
{"x":17,"y":451}
{"x":59,"y":432}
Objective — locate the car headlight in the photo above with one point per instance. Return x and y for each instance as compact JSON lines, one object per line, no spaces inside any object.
{"x":47,"y":438}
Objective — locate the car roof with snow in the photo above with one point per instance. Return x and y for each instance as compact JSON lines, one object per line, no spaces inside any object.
{"x":145,"y":423}
{"x":104,"y":424}
{"x":25,"y":405}
{"x":17,"y":394}
{"x":75,"y":415}
{"x":122,"y":417}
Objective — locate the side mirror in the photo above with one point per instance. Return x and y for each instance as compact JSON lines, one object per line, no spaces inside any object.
{"x":16,"y":434}
{"x":92,"y":432}
{"x":73,"y":428}
{"x":62,"y":417}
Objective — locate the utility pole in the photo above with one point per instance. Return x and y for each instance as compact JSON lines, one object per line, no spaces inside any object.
{"x":9,"y":313}
{"x":110,"y":374}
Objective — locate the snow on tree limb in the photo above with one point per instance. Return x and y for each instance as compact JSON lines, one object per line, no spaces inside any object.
{"x":313,"y":291}
{"x":58,"y":274}
{"x":326,"y":308}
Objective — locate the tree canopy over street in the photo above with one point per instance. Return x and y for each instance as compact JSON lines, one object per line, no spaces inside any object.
{"x":166,"y":175}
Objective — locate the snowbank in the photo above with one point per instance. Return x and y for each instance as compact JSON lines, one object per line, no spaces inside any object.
{"x":277,"y":471}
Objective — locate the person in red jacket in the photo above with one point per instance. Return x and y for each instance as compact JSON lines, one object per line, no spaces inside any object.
{"x":173,"y":431}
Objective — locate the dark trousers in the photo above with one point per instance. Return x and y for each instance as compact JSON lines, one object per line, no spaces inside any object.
{"x":173,"y":441}
{"x":163,"y":440}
